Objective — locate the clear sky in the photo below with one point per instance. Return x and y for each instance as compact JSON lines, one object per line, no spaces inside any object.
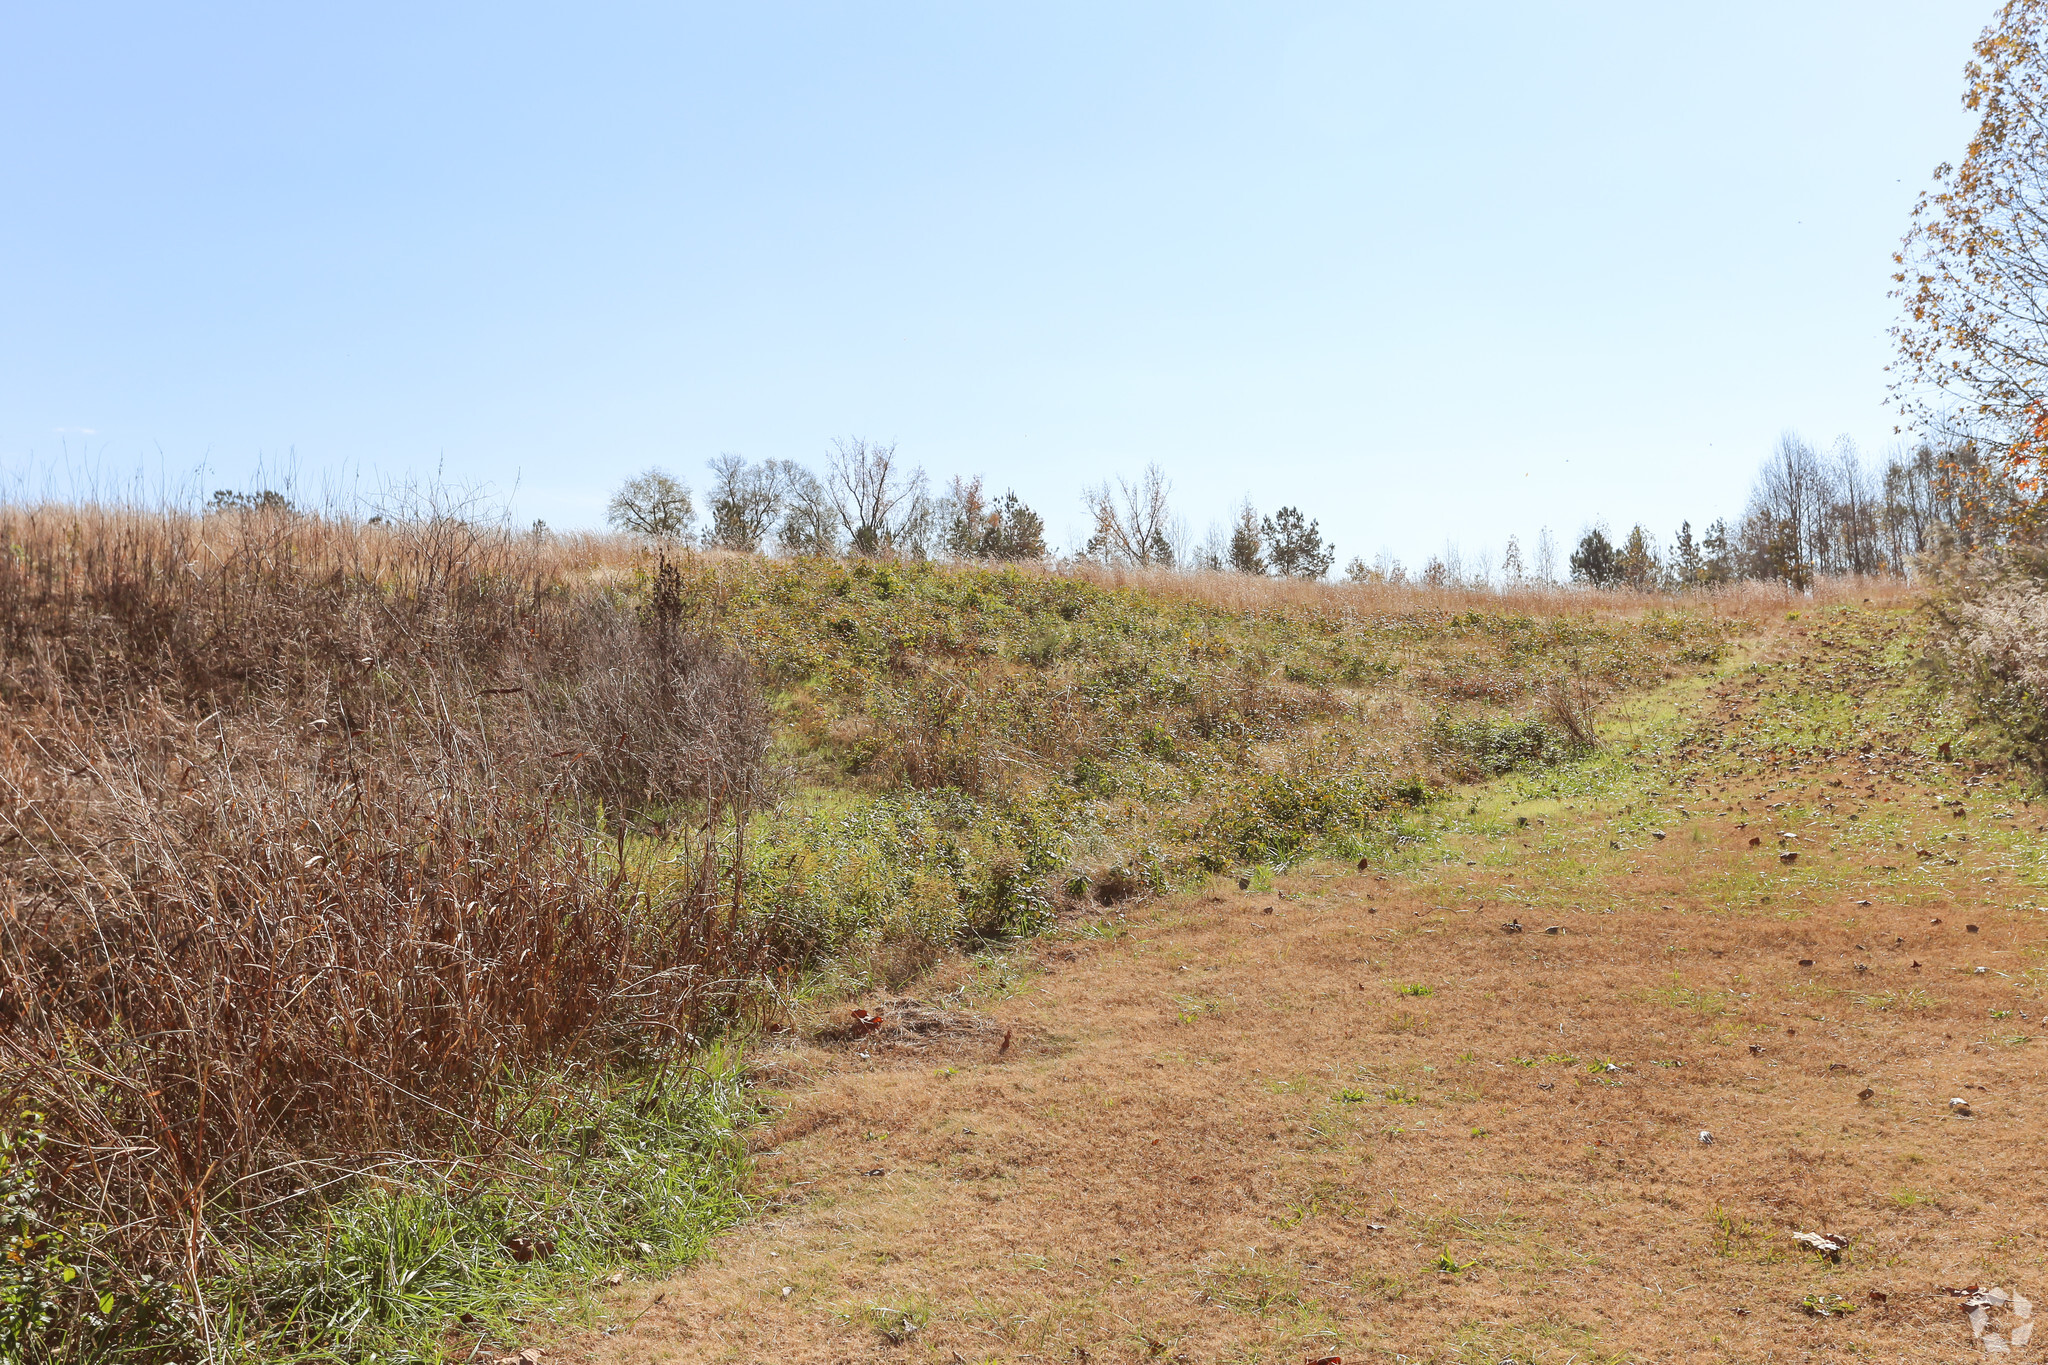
{"x":1429,"y":271}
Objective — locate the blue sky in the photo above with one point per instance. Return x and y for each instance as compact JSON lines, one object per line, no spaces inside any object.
{"x":1430,"y":272}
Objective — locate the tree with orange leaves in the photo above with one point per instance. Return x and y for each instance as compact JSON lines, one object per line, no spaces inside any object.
{"x":1973,"y":268}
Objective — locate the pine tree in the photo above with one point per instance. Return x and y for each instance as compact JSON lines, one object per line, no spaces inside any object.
{"x":1247,"y":546}
{"x":1595,"y":561}
{"x":1718,"y":558}
{"x":1687,"y":567}
{"x":1295,"y":545}
{"x":1637,"y":564}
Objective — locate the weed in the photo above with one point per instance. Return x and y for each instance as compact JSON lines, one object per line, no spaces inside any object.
{"x":895,"y":1325}
{"x":1911,"y":1001}
{"x":1731,"y":1232}
{"x":1256,"y":1288}
{"x":1706,"y":1003}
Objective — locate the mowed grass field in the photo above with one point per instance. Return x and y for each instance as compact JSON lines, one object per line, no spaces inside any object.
{"x":1456,"y":1106}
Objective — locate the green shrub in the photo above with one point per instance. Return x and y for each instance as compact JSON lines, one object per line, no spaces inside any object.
{"x":1479,"y":748}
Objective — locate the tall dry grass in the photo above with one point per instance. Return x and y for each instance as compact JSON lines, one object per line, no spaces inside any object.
{"x":302,"y":872}
{"x":1989,"y":611}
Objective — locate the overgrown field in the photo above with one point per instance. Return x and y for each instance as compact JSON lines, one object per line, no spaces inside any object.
{"x":966,"y":750}
{"x":375,"y":894}
{"x":1720,"y":1043}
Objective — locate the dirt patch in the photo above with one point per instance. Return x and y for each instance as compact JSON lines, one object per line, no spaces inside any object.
{"x":905,"y":1027}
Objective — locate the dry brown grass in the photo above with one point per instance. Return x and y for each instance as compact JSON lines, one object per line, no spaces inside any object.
{"x":1239,"y":1131}
{"x":299,"y":879}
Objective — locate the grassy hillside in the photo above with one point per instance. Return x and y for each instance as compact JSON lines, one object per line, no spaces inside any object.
{"x":1564,"y":1079}
{"x":965,"y":750}
{"x":397,"y":876}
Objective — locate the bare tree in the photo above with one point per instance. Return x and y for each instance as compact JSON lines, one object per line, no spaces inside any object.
{"x":1784,"y":531}
{"x":810,"y":520}
{"x":1133,"y":522}
{"x":1546,"y":556}
{"x":1856,"y":514}
{"x":881,"y":504}
{"x":1511,"y":570}
{"x":652,"y":503}
{"x":746,"y":501}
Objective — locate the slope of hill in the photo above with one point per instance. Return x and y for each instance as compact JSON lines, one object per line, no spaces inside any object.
{"x":383,"y":901}
{"x":1565,"y":1079}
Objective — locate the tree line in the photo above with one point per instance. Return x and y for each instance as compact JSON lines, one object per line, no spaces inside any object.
{"x":1809,"y":514}
{"x":870,"y":502}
